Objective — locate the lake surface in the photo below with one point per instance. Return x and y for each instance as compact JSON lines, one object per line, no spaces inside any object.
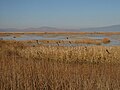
{"x":115,"y":39}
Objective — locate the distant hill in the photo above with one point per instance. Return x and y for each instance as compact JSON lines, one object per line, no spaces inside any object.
{"x":43,"y":29}
{"x":9,"y":30}
{"x":113,"y":28}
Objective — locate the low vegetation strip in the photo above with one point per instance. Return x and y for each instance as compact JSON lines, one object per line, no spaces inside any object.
{"x":58,"y":42}
{"x":106,"y":33}
{"x":58,"y":68}
{"x":81,"y":41}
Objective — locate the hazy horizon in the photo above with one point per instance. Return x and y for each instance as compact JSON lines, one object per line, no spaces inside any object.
{"x":71,"y":14}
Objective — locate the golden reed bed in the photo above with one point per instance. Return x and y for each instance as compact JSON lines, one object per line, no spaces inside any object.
{"x":58,"y":68}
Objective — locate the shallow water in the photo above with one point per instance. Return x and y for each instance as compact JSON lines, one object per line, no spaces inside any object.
{"x":115,"y":39}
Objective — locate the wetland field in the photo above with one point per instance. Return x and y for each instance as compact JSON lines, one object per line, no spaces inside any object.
{"x":60,"y":61}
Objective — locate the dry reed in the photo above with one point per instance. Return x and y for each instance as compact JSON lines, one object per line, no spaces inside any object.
{"x":58,"y":68}
{"x":106,"y":40}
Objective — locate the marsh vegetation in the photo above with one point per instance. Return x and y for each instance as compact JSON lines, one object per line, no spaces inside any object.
{"x":66,"y":38}
{"x":42,"y":67}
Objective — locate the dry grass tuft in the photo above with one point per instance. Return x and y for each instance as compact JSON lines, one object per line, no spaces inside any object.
{"x":106,"y":40}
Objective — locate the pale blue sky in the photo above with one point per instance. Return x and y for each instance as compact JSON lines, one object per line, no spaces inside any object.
{"x":59,"y":13}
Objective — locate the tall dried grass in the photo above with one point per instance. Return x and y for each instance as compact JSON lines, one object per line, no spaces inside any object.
{"x":58,"y":68}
